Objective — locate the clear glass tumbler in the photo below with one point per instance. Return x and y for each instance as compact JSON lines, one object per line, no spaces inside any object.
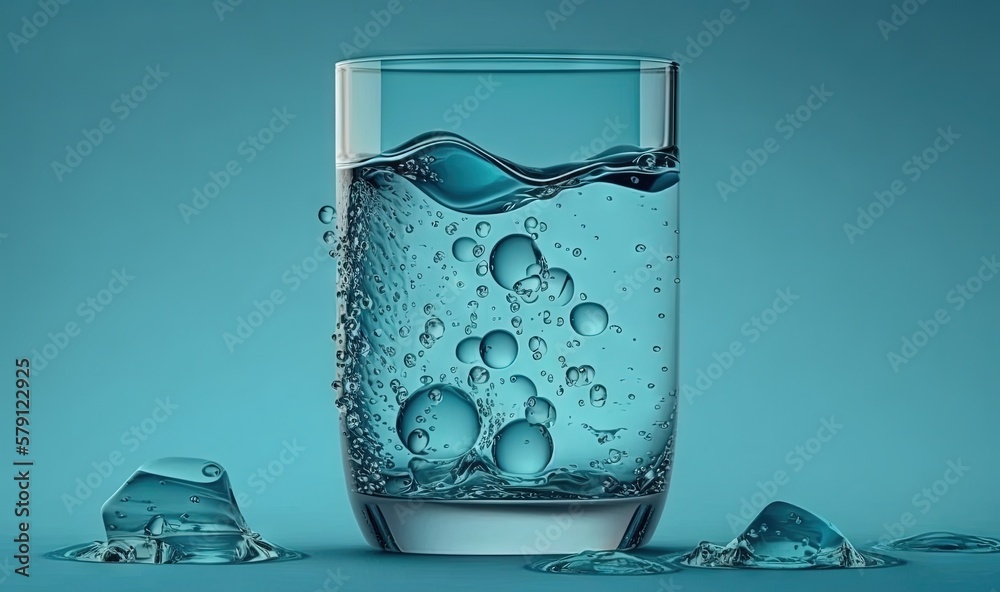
{"x":506,"y":243}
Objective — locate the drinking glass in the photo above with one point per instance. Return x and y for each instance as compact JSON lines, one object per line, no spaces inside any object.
{"x":507,"y":297}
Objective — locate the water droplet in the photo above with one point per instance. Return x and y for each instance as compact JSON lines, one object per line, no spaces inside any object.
{"x":463,"y":249}
{"x":598,"y":395}
{"x":522,"y":448}
{"x":326,"y":214}
{"x":211,"y":470}
{"x":498,"y":349}
{"x":483,"y":229}
{"x":640,"y":248}
{"x":511,"y":257}
{"x":540,"y":411}
{"x":467,"y":350}
{"x":447,"y":411}
{"x":417,"y":441}
{"x":588,"y":319}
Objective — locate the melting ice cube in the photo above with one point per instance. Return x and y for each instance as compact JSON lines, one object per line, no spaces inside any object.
{"x":944,"y":542}
{"x":613,"y":563}
{"x":176,"y":510}
{"x":784,"y":536}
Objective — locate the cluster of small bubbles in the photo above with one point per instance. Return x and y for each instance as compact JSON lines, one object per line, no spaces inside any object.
{"x":194,"y":499}
{"x":580,"y":376}
{"x":538,"y":347}
{"x":598,"y":395}
{"x":483,"y":229}
{"x":531,"y":227}
{"x":327,"y":214}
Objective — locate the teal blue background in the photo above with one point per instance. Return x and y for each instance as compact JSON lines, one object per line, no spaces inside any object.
{"x":825,"y":357}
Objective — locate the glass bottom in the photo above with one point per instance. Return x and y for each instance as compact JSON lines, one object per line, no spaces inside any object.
{"x":508,"y":527}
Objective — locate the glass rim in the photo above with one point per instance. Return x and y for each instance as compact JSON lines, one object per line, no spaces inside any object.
{"x":515,"y":62}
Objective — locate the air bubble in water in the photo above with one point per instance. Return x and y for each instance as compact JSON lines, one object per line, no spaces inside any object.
{"x":463,"y":249}
{"x":326,"y":214}
{"x":417,"y":441}
{"x":329,"y":237}
{"x":482,"y":269}
{"x":211,"y":470}
{"x":640,"y":248}
{"x":482,"y":291}
{"x":530,"y":224}
{"x":560,"y":286}
{"x":538,"y":347}
{"x":498,"y":349}
{"x":588,"y":319}
{"x":468,"y":350}
{"x":410,"y":360}
{"x":598,"y":395}
{"x":434,"y":327}
{"x":577,"y":252}
{"x":540,"y":411}
{"x":448,"y":412}
{"x":478,"y":375}
{"x":511,"y":258}
{"x":522,"y":448}
{"x":483,"y":229}
{"x":521,"y":388}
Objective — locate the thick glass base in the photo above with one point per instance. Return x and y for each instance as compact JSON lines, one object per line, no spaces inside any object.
{"x":506,"y":527}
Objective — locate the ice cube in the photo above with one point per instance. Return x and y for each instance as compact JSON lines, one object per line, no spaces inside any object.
{"x":176,"y":510}
{"x":784,"y":536}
